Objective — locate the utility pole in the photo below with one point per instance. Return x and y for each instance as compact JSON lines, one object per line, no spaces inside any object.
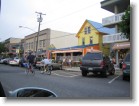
{"x":39,"y":19}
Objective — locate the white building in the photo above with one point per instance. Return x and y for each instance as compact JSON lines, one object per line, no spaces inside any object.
{"x":118,"y":42}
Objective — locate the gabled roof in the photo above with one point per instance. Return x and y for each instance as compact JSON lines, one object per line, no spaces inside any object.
{"x":99,"y":27}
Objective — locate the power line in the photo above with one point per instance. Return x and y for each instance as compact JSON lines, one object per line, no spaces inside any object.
{"x":71,"y":13}
{"x":52,"y":21}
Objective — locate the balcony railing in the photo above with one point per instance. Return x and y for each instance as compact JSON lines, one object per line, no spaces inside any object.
{"x":118,"y":37}
{"x":112,"y":19}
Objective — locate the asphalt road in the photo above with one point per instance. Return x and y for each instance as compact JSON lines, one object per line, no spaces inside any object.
{"x":66,"y":84}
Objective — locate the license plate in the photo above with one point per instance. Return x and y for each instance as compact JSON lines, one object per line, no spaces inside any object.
{"x":90,"y":68}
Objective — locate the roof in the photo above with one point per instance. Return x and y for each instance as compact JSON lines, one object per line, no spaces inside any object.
{"x":76,"y":47}
{"x":100,"y":27}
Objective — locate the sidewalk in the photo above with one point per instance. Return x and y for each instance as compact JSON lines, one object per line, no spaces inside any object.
{"x":72,"y":69}
{"x":77,"y":69}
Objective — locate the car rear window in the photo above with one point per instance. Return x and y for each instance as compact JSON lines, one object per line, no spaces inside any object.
{"x":127,"y":58}
{"x":93,"y":56}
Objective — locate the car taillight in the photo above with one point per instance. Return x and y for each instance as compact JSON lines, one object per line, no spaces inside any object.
{"x":80,"y":63}
{"x":123,"y":66}
{"x":102,"y":64}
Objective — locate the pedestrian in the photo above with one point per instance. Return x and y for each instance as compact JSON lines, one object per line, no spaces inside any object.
{"x":69,"y":62}
{"x":63,"y":62}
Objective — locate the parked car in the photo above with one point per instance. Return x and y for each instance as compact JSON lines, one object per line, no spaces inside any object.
{"x":38,"y":62}
{"x":21,"y":62}
{"x":96,"y":63}
{"x":2,"y":60}
{"x":53,"y":65}
{"x":6,"y":61}
{"x":14,"y":61}
{"x":126,"y":67}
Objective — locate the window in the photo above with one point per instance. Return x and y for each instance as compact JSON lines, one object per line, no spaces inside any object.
{"x":87,"y":30}
{"x":83,"y":41}
{"x":28,"y":45}
{"x":44,"y":43}
{"x":40,"y":43}
{"x":32,"y":45}
{"x":91,"y":40}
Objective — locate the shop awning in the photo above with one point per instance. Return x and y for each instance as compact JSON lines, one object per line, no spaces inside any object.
{"x":123,"y":45}
{"x":67,"y":51}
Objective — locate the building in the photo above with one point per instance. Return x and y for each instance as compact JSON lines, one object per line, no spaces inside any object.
{"x":13,"y":45}
{"x":119,"y":45}
{"x":49,"y":40}
{"x":90,"y":35}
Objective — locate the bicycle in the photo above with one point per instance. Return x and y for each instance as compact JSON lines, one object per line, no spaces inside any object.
{"x":29,"y":68}
{"x":46,"y":69}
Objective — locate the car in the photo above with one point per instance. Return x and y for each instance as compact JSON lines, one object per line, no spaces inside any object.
{"x":38,"y":62}
{"x":14,"y":61}
{"x":53,"y":65}
{"x":22,"y":61}
{"x":2,"y":60}
{"x":28,"y":92}
{"x":96,"y":63}
{"x":6,"y":60}
{"x":126,"y":67}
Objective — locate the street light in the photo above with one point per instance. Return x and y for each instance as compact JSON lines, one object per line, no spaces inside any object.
{"x":31,"y":30}
{"x":27,"y":28}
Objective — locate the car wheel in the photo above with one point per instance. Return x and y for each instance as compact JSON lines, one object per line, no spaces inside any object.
{"x":104,"y":73}
{"x":124,"y":78}
{"x":112,"y":71}
{"x":84,"y":73}
{"x":51,"y":68}
{"x":60,"y":68}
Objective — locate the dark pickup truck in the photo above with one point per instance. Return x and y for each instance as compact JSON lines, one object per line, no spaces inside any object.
{"x":96,"y":63}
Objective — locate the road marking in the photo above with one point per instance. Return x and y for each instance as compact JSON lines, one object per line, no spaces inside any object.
{"x":113,"y":79}
{"x":64,"y":75}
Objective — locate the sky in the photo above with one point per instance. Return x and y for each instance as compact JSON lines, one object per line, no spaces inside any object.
{"x":61,"y":15}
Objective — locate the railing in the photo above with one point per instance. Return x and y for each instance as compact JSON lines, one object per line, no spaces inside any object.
{"x":112,"y":19}
{"x":73,"y":58}
{"x":118,"y":37}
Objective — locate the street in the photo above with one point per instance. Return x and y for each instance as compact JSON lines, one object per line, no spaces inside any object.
{"x":66,"y":84}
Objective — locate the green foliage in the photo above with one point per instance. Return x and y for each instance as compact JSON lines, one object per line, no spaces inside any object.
{"x":2,"y":47}
{"x":125,"y":24}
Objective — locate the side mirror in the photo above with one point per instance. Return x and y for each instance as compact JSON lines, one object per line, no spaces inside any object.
{"x":32,"y":92}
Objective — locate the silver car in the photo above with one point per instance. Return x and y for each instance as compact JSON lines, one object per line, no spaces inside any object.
{"x":54,"y":65}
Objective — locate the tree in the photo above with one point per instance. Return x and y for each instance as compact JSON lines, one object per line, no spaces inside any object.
{"x":125,"y":24}
{"x":2,"y":47}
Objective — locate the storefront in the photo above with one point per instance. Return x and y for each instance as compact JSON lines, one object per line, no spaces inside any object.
{"x":121,"y":49}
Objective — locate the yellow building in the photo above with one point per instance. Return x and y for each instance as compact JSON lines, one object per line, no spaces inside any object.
{"x":91,"y":34}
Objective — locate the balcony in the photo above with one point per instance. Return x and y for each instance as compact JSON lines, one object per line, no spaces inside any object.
{"x":118,"y":37}
{"x":112,"y":19}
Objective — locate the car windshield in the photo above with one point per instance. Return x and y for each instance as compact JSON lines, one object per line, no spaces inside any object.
{"x":127,"y":59}
{"x":93,"y":56}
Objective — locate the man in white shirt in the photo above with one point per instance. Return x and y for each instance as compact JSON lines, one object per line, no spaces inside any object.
{"x":45,"y":63}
